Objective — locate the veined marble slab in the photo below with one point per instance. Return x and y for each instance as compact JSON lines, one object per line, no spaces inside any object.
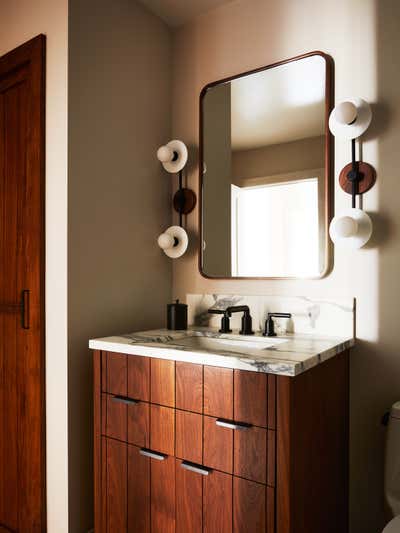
{"x":288,"y":355}
{"x":334,"y":318}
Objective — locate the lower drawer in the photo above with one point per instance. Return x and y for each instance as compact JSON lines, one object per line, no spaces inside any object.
{"x":139,"y":423}
{"x":212,"y":501}
{"x":243,"y":450}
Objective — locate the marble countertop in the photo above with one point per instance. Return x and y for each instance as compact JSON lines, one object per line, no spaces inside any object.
{"x":288,"y":355}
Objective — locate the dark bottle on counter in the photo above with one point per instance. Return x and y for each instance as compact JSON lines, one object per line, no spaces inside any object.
{"x":177,"y":316}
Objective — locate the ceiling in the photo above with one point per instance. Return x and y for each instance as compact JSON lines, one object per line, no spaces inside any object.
{"x":177,"y":12}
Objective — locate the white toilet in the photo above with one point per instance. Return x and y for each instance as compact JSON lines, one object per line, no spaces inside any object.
{"x":392,"y":469}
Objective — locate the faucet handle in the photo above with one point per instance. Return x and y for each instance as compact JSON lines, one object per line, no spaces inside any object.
{"x":225,"y":323}
{"x":269,"y":330}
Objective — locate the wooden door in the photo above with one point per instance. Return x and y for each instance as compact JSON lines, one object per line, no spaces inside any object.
{"x":22,"y":423}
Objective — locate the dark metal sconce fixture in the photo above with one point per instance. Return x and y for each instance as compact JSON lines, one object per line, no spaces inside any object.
{"x":349,"y":120}
{"x":174,"y":156}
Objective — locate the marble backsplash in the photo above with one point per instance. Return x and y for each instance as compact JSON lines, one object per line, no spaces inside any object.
{"x":334,"y":318}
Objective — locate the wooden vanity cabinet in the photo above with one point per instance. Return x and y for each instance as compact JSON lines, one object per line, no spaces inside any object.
{"x":187,"y":448}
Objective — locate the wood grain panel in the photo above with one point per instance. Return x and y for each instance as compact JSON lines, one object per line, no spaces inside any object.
{"x":218,"y":446}
{"x":313,"y":416}
{"x":271,"y":401}
{"x":162,"y":429}
{"x":22,"y":267}
{"x":217,"y":503}
{"x":249,"y":500}
{"x":271,"y":458}
{"x":189,"y":436}
{"x":250,"y":397}
{"x":189,"y":387}
{"x":114,"y":418}
{"x":139,"y":378}
{"x":116,"y":486}
{"x":163,"y":495}
{"x":189,"y":500}
{"x":218,"y":392}
{"x":163,"y":382}
{"x":97,"y":431}
{"x":270,"y":505}
{"x":117,"y":377}
{"x":139,"y":424}
{"x":250,"y":453}
{"x":138,"y":492}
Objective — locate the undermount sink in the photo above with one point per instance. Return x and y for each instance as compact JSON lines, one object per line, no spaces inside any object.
{"x":238,"y":345}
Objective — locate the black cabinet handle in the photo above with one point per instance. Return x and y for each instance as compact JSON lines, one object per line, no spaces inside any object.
{"x":230,"y":424}
{"x":124,"y":399}
{"x":153,"y":455}
{"x":198,"y":469}
{"x":22,"y":307}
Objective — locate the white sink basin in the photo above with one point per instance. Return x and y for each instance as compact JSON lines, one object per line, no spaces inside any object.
{"x":228,"y":343}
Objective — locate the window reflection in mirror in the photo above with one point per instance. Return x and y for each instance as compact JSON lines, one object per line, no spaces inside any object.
{"x":264,"y":182}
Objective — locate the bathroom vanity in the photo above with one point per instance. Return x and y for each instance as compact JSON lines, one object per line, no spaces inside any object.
{"x":197,"y":431}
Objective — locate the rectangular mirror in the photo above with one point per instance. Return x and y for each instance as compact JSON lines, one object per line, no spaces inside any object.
{"x":265,"y":171}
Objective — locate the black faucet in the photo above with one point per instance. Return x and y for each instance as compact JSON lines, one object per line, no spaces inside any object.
{"x":225,"y":325}
{"x":246,"y":318}
{"x":269,"y":330}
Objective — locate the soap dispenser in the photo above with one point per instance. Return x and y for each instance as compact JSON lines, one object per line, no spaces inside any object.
{"x":177,"y":316}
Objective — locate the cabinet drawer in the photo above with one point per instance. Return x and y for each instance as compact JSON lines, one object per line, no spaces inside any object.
{"x":162,"y":382}
{"x":218,"y":392}
{"x":247,"y":451}
{"x":217,"y":503}
{"x":189,"y":500}
{"x":114,"y":373}
{"x":250,"y":397}
{"x":138,"y":369}
{"x":250,"y":507}
{"x":240,"y":395}
{"x":162,"y":429}
{"x":139,"y":424}
{"x":189,"y":436}
{"x":189,"y":387}
{"x":162,"y":479}
{"x":113,"y":417}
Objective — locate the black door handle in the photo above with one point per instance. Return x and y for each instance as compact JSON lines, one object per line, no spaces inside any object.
{"x":22,"y":307}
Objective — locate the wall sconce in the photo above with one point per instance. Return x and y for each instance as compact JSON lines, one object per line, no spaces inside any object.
{"x":173,"y":156}
{"x":349,"y":120}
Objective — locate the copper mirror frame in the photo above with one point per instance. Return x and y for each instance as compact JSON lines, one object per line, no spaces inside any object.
{"x":329,"y":163}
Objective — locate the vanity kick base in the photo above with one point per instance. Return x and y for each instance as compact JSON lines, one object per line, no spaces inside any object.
{"x":188,"y":448}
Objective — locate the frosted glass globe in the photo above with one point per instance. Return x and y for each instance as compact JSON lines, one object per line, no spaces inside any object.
{"x":165,"y":241}
{"x":346,"y":112}
{"x":346,"y":227}
{"x":165,"y":154}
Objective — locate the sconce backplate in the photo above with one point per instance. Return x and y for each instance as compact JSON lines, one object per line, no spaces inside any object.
{"x":184,"y":201}
{"x":365,"y":184}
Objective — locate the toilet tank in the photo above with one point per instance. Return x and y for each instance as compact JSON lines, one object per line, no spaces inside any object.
{"x":392,"y":461}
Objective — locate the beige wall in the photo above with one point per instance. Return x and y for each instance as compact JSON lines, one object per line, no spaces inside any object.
{"x":119,"y":198}
{"x":304,"y":154}
{"x":20,"y":21}
{"x":363,"y":38}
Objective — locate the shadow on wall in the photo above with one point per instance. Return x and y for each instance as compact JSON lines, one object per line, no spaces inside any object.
{"x":380,"y":383}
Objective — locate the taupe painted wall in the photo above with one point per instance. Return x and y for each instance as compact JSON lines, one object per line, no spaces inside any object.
{"x":363,"y":38}
{"x":119,"y":200}
{"x":21,"y":20}
{"x":282,"y":158}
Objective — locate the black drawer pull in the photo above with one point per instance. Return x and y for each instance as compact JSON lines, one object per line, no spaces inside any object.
{"x":153,"y":455}
{"x":230,"y":424}
{"x":198,"y":469}
{"x":124,"y":399}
